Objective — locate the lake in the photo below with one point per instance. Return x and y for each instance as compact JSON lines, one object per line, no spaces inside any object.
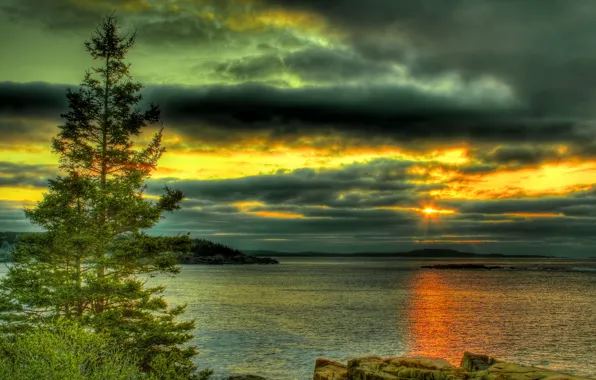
{"x":275,"y":320}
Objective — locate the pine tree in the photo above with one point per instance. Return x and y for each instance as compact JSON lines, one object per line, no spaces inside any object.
{"x":90,"y":263}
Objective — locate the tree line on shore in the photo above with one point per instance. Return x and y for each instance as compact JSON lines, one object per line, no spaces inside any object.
{"x":199,"y":248}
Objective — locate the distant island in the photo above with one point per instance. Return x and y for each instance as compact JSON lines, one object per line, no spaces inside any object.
{"x":207,"y":252}
{"x":417,"y":253}
{"x":517,"y":268}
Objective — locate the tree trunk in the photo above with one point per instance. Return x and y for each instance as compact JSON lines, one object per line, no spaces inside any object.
{"x":99,"y":306}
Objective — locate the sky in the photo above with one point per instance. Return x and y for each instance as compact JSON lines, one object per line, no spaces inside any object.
{"x":336,"y":125}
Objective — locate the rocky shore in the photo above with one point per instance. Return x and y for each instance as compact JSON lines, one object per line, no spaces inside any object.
{"x":473,"y":367}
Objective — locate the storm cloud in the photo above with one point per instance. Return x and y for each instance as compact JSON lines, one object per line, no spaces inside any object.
{"x":335,"y":123}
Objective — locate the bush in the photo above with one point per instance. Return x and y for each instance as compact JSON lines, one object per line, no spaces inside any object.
{"x":64,"y":351}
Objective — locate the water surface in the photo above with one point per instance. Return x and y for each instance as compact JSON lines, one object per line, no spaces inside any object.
{"x":275,"y":320}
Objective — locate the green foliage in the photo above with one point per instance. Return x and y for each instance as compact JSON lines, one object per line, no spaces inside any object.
{"x":90,"y":262}
{"x":167,"y":367}
{"x":64,"y":351}
{"x":203,"y":247}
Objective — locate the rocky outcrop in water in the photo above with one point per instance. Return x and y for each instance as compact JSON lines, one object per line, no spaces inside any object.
{"x":513,"y":268}
{"x":473,"y":367}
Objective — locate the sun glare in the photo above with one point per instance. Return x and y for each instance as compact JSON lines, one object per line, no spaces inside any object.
{"x":430,"y":211}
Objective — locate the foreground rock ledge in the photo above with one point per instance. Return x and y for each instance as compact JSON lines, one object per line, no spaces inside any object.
{"x":473,"y":366}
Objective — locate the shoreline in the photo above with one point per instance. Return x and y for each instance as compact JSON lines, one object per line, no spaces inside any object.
{"x":472,"y":367}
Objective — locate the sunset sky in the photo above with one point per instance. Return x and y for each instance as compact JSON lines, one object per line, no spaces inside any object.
{"x":332,"y":125}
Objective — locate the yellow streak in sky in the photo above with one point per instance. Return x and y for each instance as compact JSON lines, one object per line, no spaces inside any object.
{"x":314,"y":25}
{"x":533,"y":214}
{"x":275,"y":214}
{"x":428,"y":210}
{"x":245,"y":207}
{"x":21,"y":194}
{"x":451,"y":156}
{"x":549,"y":179}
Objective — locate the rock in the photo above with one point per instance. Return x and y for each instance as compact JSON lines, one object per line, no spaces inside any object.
{"x":246,"y":377}
{"x":474,"y":362}
{"x":327,"y":369}
{"x":473,"y":367}
{"x":512,"y":371}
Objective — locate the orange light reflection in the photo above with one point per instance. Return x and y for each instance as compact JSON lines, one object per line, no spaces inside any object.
{"x":431,"y":308}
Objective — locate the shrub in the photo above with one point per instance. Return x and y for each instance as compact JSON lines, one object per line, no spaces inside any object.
{"x":64,"y":351}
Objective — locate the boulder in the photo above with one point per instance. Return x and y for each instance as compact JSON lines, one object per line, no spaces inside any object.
{"x":475,"y":362}
{"x":327,"y":369}
{"x":512,"y":371}
{"x":246,"y":377}
{"x":473,"y":367}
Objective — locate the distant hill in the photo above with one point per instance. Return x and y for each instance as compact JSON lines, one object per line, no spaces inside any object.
{"x":417,"y":253}
{"x":205,"y":248}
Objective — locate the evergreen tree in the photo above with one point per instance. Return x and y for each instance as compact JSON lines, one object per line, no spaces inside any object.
{"x":90,"y":263}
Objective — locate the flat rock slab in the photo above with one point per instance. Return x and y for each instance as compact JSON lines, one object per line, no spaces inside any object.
{"x":327,"y":369}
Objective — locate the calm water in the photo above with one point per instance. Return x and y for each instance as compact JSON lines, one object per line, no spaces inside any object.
{"x":275,"y":320}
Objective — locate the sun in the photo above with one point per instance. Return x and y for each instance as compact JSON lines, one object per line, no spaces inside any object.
{"x":430,"y":210}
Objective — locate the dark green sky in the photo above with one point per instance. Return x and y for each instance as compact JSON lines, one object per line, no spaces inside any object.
{"x":332,"y":125}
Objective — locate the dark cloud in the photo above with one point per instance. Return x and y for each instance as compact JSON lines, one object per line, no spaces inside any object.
{"x":154,"y":24}
{"x":157,"y":24}
{"x":511,"y":79}
{"x":25,"y":132}
{"x":11,"y":168}
{"x":545,"y":50}
{"x":534,"y":228}
{"x":349,"y":186}
{"x":55,"y":15}
{"x":490,"y":159}
{"x":313,"y":65}
{"x":582,"y":210}
{"x":521,"y":155}
{"x":32,"y":99}
{"x":23,"y":175}
{"x":478,"y":169}
{"x":340,"y":230}
{"x":261,"y":67}
{"x":403,"y":114}
{"x":582,"y":203}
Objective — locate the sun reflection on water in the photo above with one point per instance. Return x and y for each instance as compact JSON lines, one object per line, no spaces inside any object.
{"x":432,"y":306}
